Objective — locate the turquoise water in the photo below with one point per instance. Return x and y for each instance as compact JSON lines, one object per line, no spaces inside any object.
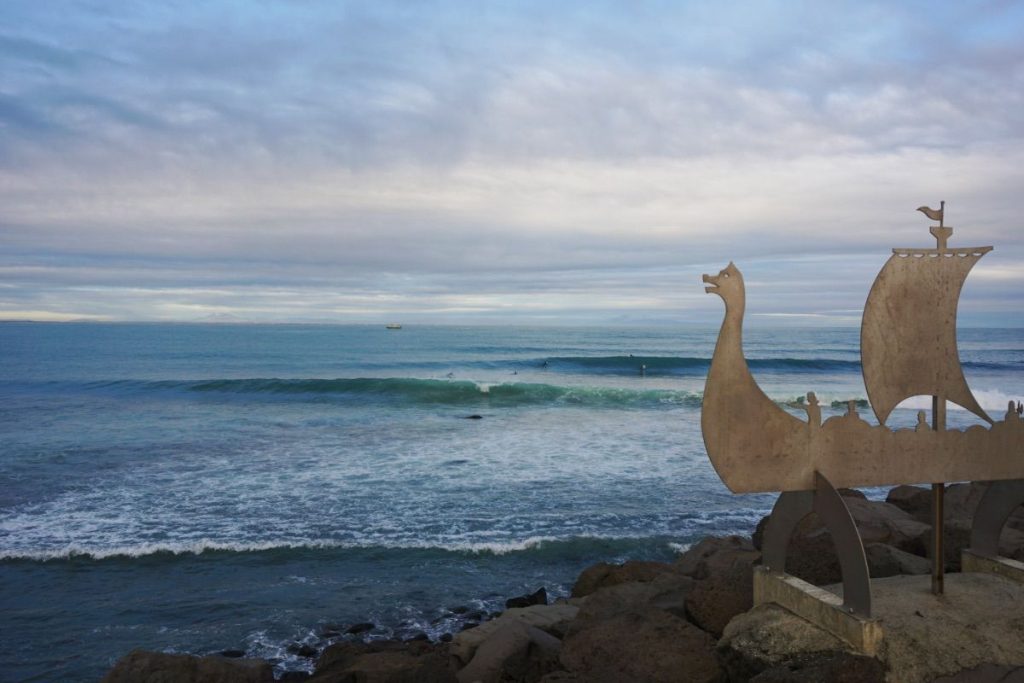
{"x":203,"y":487}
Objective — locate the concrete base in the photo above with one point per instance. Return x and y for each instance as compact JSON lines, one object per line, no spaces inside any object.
{"x":818,"y":606}
{"x":1003,"y":566}
{"x":978,"y":620}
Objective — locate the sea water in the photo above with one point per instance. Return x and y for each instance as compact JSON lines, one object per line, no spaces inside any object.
{"x":196,"y":488}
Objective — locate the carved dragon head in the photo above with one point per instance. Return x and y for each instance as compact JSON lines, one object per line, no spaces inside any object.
{"x":728,"y":284}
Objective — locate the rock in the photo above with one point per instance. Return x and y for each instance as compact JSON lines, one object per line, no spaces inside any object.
{"x":142,"y":666}
{"x":667,"y":592}
{"x":986,"y":673}
{"x":293,"y":677}
{"x":884,"y":560}
{"x":233,"y":654}
{"x":362,"y":627}
{"x":769,"y":636}
{"x":446,"y":637}
{"x":811,"y":554}
{"x":384,"y":662}
{"x":553,"y":619}
{"x":914,"y":500}
{"x":514,"y":651}
{"x":713,"y":554}
{"x":604,"y":574}
{"x":851,"y":493}
{"x":302,"y":650}
{"x":561,"y":677}
{"x":539,"y":597}
{"x":419,"y":635}
{"x":646,"y":645}
{"x":474,"y":417}
{"x":834,"y":667}
{"x":724,"y":594}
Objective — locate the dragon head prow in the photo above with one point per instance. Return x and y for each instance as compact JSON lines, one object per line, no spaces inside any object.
{"x":728,"y":281}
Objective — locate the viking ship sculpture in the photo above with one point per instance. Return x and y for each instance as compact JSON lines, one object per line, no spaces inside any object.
{"x":908,"y":348}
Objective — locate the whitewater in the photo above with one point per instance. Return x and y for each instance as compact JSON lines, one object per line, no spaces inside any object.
{"x":197,"y":488}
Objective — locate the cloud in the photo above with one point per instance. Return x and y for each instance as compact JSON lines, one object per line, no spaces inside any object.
{"x":438,"y":159}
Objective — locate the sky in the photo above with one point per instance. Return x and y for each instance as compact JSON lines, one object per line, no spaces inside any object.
{"x":500,"y":163}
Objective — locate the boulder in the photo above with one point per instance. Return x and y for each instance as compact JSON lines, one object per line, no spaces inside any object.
{"x":720,"y":597}
{"x":986,"y":673}
{"x":884,"y":560}
{"x":648,"y":644}
{"x":554,"y":619}
{"x":714,"y":554}
{"x":513,"y":651}
{"x":834,"y":667}
{"x":914,"y":500}
{"x":769,"y":636}
{"x":142,"y":666}
{"x":667,"y":592}
{"x":384,"y":662}
{"x":539,"y":597}
{"x":811,"y":553}
{"x":603,"y":574}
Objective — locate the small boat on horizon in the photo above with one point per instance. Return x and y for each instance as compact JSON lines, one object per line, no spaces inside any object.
{"x":393,"y":326}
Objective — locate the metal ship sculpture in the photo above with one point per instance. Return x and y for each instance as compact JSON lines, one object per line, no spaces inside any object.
{"x":908,"y":348}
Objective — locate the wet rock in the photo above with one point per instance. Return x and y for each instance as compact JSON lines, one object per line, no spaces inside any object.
{"x":232,"y":654}
{"x":539,"y":597}
{"x":419,"y":635}
{"x":302,"y":650}
{"x":603,"y":574}
{"x":294,"y":677}
{"x":362,"y":627}
{"x":143,"y":665}
{"x":645,"y":645}
{"x":474,"y":417}
{"x":514,"y":651}
{"x":446,"y":637}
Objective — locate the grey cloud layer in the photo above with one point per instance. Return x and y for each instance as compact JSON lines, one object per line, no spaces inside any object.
{"x":447,"y":157}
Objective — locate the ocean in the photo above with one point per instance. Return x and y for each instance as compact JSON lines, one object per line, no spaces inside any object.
{"x":203,"y":487}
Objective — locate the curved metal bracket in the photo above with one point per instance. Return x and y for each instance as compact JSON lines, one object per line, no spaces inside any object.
{"x":793,"y":506}
{"x":998,"y":502}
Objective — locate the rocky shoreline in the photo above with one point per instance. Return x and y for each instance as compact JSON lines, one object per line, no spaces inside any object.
{"x":688,"y":620}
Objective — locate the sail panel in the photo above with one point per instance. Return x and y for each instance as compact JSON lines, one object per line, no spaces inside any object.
{"x":908,"y":334}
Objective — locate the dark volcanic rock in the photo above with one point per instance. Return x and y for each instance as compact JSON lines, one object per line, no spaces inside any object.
{"x":360,"y":628}
{"x":667,"y":592}
{"x":515,"y":651}
{"x":539,"y":597}
{"x":159,"y":667}
{"x":713,"y":554}
{"x":646,"y":645}
{"x":884,"y":560}
{"x":714,"y":601}
{"x":834,"y":667}
{"x":302,"y":650}
{"x":384,"y":662}
{"x":603,"y":574}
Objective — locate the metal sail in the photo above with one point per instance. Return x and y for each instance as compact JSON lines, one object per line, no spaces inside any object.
{"x":908,"y":334}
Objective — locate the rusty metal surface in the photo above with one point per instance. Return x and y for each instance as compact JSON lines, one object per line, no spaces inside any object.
{"x":998,"y":502}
